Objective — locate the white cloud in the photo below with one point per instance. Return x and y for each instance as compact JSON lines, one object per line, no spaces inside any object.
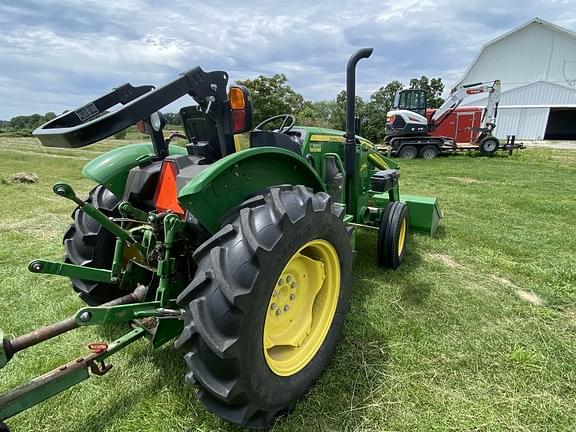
{"x":56,"y":55}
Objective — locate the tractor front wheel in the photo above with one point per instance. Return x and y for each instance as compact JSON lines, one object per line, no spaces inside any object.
{"x":265,"y":310}
{"x":87,"y":243}
{"x":393,"y":235}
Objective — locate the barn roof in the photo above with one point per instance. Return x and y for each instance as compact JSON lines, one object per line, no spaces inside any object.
{"x":534,"y":21}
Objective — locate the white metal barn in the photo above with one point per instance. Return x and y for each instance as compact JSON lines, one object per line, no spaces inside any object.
{"x":536,"y":63}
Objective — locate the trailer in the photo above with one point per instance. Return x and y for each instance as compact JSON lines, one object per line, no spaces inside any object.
{"x":431,"y":147}
{"x":413,"y":129}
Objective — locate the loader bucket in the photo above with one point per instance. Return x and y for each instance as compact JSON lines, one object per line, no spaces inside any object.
{"x":423,"y":212}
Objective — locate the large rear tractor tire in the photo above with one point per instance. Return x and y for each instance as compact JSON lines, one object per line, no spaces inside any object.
{"x":87,"y":243}
{"x":266,"y":308}
{"x":393,"y":235}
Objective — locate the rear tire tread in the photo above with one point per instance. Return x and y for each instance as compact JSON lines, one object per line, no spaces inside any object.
{"x":87,"y":243}
{"x":214,"y":346}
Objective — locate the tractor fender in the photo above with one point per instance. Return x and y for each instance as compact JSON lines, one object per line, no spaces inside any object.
{"x":227,"y":183}
{"x":111,"y":168}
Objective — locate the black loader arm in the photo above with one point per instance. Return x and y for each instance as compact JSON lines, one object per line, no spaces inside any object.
{"x":93,"y":122}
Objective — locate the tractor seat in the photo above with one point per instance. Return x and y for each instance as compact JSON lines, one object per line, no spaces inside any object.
{"x":262,"y":138}
{"x":385,"y":180}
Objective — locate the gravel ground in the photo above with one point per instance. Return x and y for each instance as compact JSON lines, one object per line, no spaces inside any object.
{"x":562,"y":145}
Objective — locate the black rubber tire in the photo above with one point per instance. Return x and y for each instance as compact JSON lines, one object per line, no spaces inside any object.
{"x":389,"y":235}
{"x":87,"y":243}
{"x":227,"y":301}
{"x":488,"y":145}
{"x":429,"y":152}
{"x":408,"y":152}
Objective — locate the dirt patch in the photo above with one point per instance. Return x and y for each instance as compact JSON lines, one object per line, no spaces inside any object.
{"x":447,"y":260}
{"x":562,"y":145}
{"x":24,"y":178}
{"x":503,"y":281}
{"x":529,"y":297}
{"x":465,"y":180}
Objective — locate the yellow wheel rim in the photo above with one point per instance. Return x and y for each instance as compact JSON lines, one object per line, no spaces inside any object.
{"x":301,"y":308}
{"x":402,"y":237}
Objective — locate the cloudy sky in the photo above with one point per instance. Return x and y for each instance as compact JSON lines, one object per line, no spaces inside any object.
{"x":56,"y":55}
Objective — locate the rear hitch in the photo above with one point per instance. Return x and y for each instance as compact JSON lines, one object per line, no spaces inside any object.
{"x":61,"y":378}
{"x":99,"y":368}
{"x":12,"y":345}
{"x":71,"y":270}
{"x":73,"y":372}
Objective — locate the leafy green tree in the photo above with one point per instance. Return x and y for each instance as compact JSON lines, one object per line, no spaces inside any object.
{"x":172,"y":119}
{"x":29,"y":122}
{"x":383,"y":98}
{"x":312,"y":115}
{"x":272,"y":96}
{"x":373,"y":126}
{"x":433,"y":87}
{"x":327,"y":111}
{"x":339,"y":117}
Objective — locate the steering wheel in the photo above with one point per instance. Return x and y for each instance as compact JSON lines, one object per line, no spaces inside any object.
{"x":284,"y":128}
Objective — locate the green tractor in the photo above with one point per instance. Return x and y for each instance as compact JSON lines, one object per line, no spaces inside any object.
{"x":244,"y":257}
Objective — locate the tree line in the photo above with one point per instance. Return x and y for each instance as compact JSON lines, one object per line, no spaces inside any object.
{"x":26,"y":122}
{"x":272,"y":96}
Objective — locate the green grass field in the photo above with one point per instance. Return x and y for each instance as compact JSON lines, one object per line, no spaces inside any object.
{"x":476,"y":331}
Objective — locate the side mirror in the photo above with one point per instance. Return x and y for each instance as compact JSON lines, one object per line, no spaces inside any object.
{"x":154,"y":123}
{"x":154,"y":126}
{"x":241,"y":109}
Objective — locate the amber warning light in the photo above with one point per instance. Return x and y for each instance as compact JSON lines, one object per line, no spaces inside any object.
{"x":241,"y":109}
{"x":236,"y":97}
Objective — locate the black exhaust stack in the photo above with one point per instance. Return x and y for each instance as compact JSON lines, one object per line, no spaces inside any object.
{"x":350,"y":161}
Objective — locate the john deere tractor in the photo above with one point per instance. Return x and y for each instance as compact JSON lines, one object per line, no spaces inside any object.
{"x":242,"y":256}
